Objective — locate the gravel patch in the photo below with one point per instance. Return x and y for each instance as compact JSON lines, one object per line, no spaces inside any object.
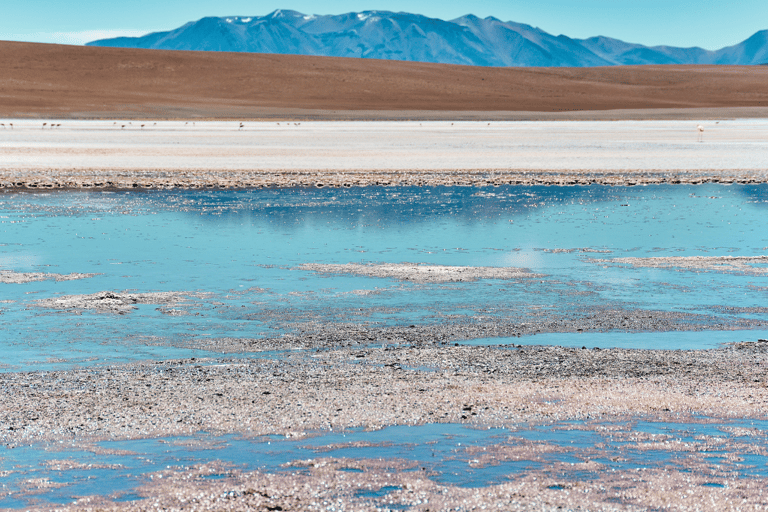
{"x":104,"y":178}
{"x":374,"y":387}
{"x":313,"y":334}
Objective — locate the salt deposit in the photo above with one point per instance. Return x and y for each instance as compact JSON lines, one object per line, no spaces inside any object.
{"x":104,"y":154}
{"x":11,"y":277}
{"x":420,"y":273}
{"x":111,"y":302}
{"x":733,"y":264}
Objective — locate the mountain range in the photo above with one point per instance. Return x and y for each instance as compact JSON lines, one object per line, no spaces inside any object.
{"x":467,"y":40}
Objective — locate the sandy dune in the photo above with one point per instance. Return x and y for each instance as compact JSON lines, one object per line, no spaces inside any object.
{"x":55,"y":81}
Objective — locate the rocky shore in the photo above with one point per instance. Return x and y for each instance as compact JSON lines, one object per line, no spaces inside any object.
{"x":16,"y":180}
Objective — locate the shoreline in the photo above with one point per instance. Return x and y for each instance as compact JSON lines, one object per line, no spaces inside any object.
{"x":196,"y":180}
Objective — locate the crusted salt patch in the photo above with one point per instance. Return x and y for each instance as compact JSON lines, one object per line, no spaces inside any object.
{"x":421,"y":273}
{"x":11,"y":277}
{"x":111,"y":302}
{"x":735,"y":264}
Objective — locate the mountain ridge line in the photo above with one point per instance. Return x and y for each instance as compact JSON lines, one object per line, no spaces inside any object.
{"x":467,"y":40}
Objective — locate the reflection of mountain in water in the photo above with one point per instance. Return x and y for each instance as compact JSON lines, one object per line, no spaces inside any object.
{"x":758,"y":194}
{"x":383,"y":206}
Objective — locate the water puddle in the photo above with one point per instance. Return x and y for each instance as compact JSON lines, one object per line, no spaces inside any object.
{"x":450,"y":454}
{"x":681,"y":340}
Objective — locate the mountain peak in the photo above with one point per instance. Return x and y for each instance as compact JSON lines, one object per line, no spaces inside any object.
{"x":284,"y":13}
{"x":406,"y":36}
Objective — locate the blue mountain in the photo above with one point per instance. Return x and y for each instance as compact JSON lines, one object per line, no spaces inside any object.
{"x":388,"y":35}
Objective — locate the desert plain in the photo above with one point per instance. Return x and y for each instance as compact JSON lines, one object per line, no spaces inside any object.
{"x":113,"y":120}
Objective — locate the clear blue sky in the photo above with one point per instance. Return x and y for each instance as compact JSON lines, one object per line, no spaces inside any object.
{"x":710,"y":24}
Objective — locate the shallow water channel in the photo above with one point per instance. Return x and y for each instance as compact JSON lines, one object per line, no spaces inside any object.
{"x":105,"y":277}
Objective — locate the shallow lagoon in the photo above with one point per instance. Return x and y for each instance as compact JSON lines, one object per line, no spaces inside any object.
{"x":235,"y":255}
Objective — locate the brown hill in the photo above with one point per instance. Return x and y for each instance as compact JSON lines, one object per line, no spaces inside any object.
{"x":40,"y":80}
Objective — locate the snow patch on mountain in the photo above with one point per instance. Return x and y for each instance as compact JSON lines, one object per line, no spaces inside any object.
{"x":467,"y":40}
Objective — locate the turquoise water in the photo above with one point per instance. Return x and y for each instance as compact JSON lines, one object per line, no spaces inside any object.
{"x":238,"y":252}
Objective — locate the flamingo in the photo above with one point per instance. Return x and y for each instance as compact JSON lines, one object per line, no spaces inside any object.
{"x":701,"y":133}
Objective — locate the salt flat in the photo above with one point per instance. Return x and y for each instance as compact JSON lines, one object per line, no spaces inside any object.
{"x":594,"y":146}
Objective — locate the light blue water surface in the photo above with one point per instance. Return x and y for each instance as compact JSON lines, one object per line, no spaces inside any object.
{"x":242,"y":249}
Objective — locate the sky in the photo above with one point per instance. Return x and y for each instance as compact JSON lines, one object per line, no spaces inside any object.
{"x":710,"y":24}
